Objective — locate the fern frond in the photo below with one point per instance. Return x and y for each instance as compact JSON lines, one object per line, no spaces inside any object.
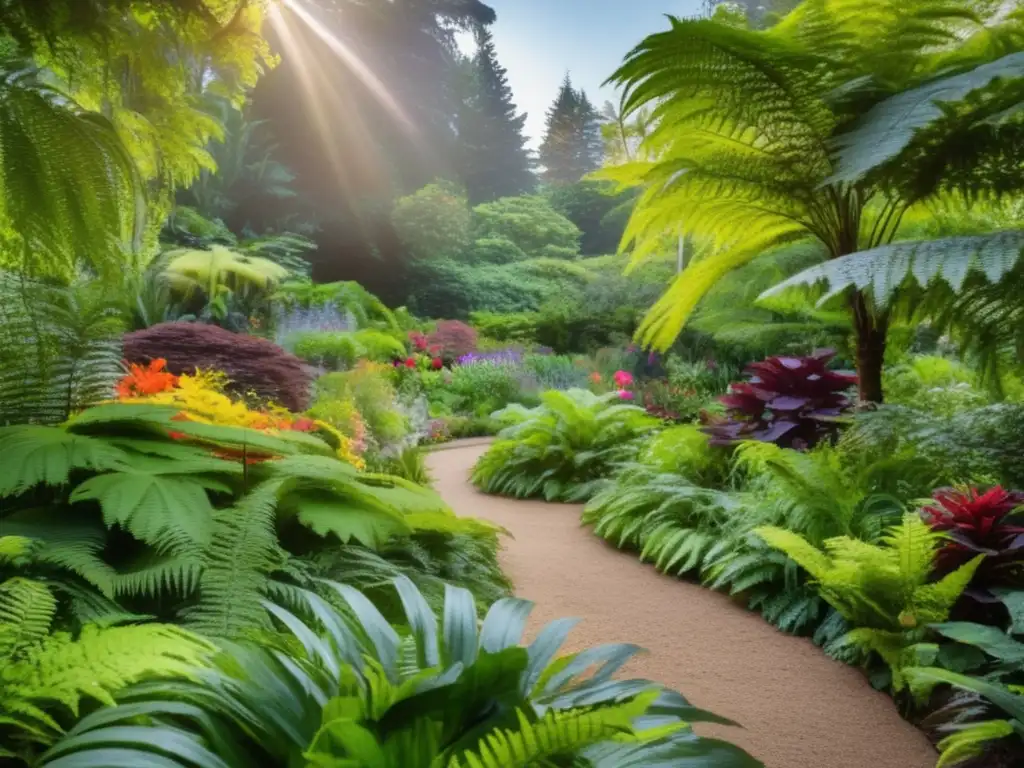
{"x":887,"y":268}
{"x":27,"y":608}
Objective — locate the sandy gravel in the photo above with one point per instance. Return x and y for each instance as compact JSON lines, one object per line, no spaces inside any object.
{"x":798,"y":708}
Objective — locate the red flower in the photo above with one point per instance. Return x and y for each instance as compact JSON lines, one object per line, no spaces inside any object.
{"x":410,"y":362}
{"x":176,"y":435}
{"x":419,"y":341}
{"x":437,"y":363}
{"x":303,"y":425}
{"x":145,"y":380}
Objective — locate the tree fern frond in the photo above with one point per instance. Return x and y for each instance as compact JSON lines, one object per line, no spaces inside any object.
{"x":887,"y":268}
{"x":27,"y":608}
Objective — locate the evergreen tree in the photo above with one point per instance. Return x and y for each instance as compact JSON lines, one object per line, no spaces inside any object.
{"x":572,"y":145}
{"x":493,"y":158}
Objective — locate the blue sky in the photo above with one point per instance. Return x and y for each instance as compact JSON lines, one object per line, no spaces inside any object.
{"x":539,"y":40}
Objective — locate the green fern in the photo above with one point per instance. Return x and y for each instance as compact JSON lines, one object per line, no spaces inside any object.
{"x":30,"y":456}
{"x":882,"y":590}
{"x":562,"y":449}
{"x":26,"y":609}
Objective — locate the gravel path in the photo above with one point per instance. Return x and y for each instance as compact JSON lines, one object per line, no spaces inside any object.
{"x":798,"y":708}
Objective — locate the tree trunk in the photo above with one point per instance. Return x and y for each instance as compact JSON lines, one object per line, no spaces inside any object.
{"x":871,"y":330}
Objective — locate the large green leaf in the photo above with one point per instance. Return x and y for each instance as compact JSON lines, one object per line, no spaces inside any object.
{"x":347,"y":519}
{"x":890,"y":126}
{"x":30,"y":455}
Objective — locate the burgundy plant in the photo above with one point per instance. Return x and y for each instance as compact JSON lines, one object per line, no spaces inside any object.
{"x":794,"y":402}
{"x":980,"y":524}
{"x":452,"y":339}
{"x":253,"y":365}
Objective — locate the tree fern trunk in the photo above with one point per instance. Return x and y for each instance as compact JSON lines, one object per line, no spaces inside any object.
{"x":871,"y":331}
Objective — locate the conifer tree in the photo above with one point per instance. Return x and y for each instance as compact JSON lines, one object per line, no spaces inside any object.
{"x":572,"y":145}
{"x":493,"y":158}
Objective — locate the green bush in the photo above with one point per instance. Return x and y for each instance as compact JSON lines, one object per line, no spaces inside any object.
{"x":937,"y":385}
{"x":446,"y":288}
{"x":509,"y":326}
{"x":433,"y":222}
{"x":531,"y":223}
{"x":561,"y":449}
{"x":494,"y":250}
{"x":484,"y":387}
{"x":371,"y":390}
{"x":329,"y":349}
{"x":598,"y":209}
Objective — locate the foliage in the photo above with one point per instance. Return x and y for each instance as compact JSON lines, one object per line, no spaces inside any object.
{"x":572,"y":145}
{"x":434,"y":222}
{"x":884,"y":591}
{"x":369,"y":388}
{"x":562,"y":448}
{"x":495,"y":250}
{"x":597,"y":209}
{"x":937,"y":385}
{"x":349,"y":687}
{"x":853,"y":161}
{"x":792,"y":401}
{"x":531,"y":223}
{"x":480,"y":387}
{"x":338,"y":350}
{"x":253,"y":366}
{"x":979,"y":523}
{"x":409,"y":464}
{"x":493,"y":157}
{"x":453,"y":339}
{"x":71,"y":191}
{"x":367,"y":310}
{"x":60,"y":349}
{"x":49,"y":678}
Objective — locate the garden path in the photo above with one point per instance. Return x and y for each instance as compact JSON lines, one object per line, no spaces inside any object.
{"x":798,"y":708}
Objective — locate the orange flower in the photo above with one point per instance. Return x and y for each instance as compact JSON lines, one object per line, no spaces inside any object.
{"x":146,"y":380}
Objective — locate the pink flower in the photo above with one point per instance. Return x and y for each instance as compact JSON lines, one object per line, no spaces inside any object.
{"x":410,"y":362}
{"x":623,"y":379}
{"x":625,"y":394}
{"x":437,"y":363}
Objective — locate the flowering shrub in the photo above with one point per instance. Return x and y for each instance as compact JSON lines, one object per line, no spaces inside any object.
{"x":201,"y":397}
{"x":793,"y":402}
{"x":979,"y":523}
{"x":453,"y":339}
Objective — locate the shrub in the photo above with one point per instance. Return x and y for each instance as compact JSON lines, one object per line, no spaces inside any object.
{"x":254,"y":366}
{"x":453,"y":339}
{"x":328,"y":349}
{"x":598,"y":208}
{"x":559,"y":372}
{"x":531,"y":223}
{"x":790,"y":401}
{"x":345,"y":688}
{"x":934,"y":384}
{"x":510,"y":326}
{"x":434,"y":221}
{"x":340,"y":306}
{"x":369,"y":387}
{"x":562,"y":448}
{"x":495,"y":250}
{"x":484,"y":386}
{"x":446,"y":288}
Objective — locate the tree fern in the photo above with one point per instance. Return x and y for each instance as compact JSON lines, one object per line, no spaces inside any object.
{"x":30,"y":456}
{"x":757,"y":142}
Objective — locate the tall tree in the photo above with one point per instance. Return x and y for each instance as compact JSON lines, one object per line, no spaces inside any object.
{"x":572,"y":145}
{"x":493,"y":160}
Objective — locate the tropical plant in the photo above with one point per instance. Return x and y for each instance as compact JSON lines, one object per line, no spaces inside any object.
{"x":345,"y":686}
{"x":878,"y":122}
{"x":979,"y":523}
{"x":60,"y":348}
{"x":74,"y":196}
{"x":563,"y":448}
{"x":884,"y":591}
{"x":151,"y":507}
{"x":792,"y":401}
{"x":254,"y":367}
{"x":48,"y":678}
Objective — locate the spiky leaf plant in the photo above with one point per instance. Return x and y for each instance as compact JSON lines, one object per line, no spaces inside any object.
{"x":802,"y":132}
{"x":885,"y":591}
{"x":347,"y":688}
{"x":561,"y":449}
